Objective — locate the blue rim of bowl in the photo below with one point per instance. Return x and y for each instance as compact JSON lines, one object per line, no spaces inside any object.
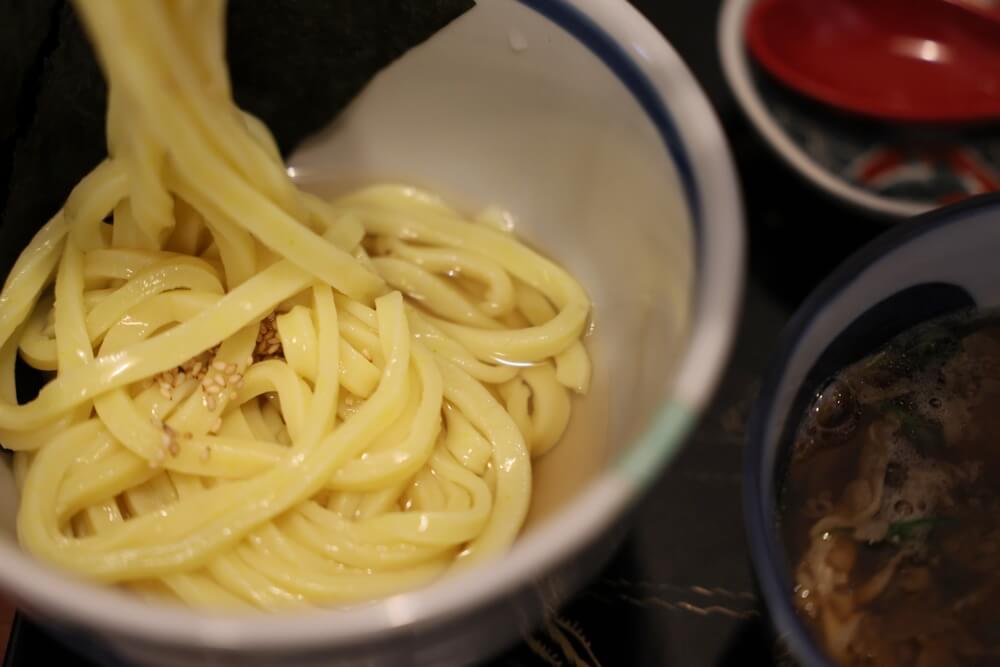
{"x":614,"y":57}
{"x":759,"y":506}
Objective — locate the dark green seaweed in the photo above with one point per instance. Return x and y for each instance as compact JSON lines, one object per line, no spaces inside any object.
{"x":926,"y":434}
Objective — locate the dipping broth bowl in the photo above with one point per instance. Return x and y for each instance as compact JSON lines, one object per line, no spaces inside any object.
{"x":578,"y":118}
{"x":924,"y":268}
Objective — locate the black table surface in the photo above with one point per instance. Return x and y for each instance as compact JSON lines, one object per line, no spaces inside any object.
{"x":680,"y":590}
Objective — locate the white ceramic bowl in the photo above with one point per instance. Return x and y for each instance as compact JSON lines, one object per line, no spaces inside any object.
{"x":579,"y":119}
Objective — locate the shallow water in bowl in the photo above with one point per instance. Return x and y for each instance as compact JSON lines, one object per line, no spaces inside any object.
{"x":586,"y":446}
{"x":582,"y":452}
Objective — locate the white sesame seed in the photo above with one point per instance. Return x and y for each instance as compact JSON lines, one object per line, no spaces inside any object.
{"x":210,"y":403}
{"x":219,"y":365}
{"x":165,"y":439}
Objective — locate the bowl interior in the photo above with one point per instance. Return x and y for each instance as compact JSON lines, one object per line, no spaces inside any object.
{"x":939,"y":263}
{"x":502,"y":109}
{"x":505,"y":108}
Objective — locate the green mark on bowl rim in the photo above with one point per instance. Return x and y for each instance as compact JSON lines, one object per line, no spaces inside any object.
{"x":643,"y":460}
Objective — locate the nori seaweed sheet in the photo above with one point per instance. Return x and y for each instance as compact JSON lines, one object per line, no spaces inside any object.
{"x":294,"y":63}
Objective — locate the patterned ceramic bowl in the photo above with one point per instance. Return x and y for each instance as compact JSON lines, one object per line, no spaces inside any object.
{"x":892,"y":170}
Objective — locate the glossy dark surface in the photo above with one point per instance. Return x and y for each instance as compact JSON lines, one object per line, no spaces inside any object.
{"x":912,"y":60}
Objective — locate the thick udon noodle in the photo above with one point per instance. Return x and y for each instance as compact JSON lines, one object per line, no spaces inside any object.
{"x":256,"y":397}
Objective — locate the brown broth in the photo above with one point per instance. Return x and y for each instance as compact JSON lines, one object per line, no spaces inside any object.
{"x":890,"y":511}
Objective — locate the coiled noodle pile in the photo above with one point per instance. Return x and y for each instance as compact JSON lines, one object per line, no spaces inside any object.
{"x":256,"y":397}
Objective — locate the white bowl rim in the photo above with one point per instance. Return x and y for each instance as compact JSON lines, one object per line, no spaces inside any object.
{"x":717,"y":217}
{"x":736,"y":67}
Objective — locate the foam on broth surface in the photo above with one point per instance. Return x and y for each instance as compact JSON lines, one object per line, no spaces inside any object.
{"x":891,"y":507}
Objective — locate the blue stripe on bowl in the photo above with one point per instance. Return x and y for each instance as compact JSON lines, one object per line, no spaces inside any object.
{"x":759,"y":471}
{"x":602,"y":45}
